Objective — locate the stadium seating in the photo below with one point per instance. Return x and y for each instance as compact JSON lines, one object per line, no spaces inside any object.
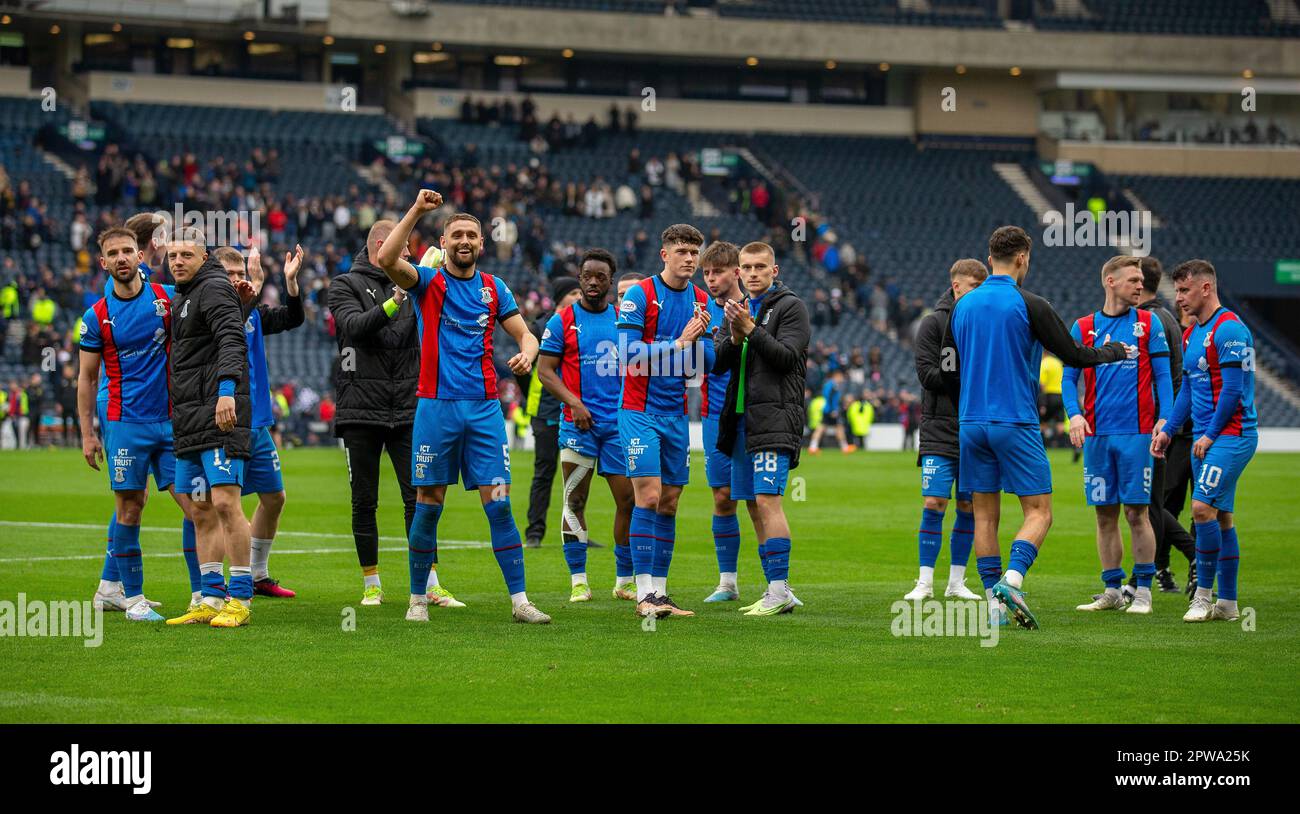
{"x":909,"y":210}
{"x":1241,"y":18}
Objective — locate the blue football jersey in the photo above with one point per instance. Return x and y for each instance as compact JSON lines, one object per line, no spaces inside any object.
{"x":259,"y":385}
{"x":715,"y":389}
{"x":133,"y":338}
{"x":1224,"y":340}
{"x":457,"y":319}
{"x":654,"y":381}
{"x":587,"y":344}
{"x":1124,"y":397}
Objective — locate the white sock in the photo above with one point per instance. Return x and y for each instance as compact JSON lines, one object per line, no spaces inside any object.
{"x":621,"y":581}
{"x":261,"y":552}
{"x":727,"y":579}
{"x":370,"y":580}
{"x":1014,"y":578}
{"x":778,"y":587}
{"x":1145,"y":593}
{"x":213,"y":602}
{"x":956,"y":574}
{"x":579,"y":579}
{"x":1204,"y":593}
{"x":419,"y":599}
{"x":518,"y":599}
{"x":644,"y":586}
{"x":1226,"y":604}
{"x":195,"y":596}
{"x":927,"y":575}
{"x":660,"y":585}
{"x":433,"y":580}
{"x":109,"y":587}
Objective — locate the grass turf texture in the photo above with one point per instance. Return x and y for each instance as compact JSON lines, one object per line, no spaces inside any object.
{"x":834,"y":660}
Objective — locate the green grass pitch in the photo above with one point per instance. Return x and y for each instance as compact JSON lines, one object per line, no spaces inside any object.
{"x":834,"y":660}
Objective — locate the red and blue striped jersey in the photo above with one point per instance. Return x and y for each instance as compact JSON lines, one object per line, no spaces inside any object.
{"x":133,"y":337}
{"x":587,"y":344}
{"x":654,"y":378}
{"x":1223,"y":341}
{"x":1124,"y":397}
{"x":456,"y":320}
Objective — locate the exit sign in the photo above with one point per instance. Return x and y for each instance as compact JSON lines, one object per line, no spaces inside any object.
{"x":1287,"y":272}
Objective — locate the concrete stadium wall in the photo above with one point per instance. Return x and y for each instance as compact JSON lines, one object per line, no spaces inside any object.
{"x":219,"y":92}
{"x":15,"y":81}
{"x":1143,"y":158}
{"x":986,"y":104}
{"x":693,"y":114}
{"x":656,"y":37}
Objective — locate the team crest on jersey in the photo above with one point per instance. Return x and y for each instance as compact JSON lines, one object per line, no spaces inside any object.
{"x":1209,"y":340}
{"x":119,"y":474}
{"x":485,"y":294}
{"x":1139,"y":330}
{"x":160,"y":307}
{"x":248,"y":325}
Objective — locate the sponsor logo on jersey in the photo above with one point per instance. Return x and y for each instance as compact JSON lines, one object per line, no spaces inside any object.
{"x":627,"y":307}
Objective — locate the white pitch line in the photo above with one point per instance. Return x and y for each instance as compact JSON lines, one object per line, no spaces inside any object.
{"x":442,"y":544}
{"x":172,"y":529}
{"x":451,"y":545}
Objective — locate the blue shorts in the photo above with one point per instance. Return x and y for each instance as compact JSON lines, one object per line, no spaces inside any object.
{"x":459,"y":438}
{"x":717,"y":464}
{"x":757,"y":473}
{"x":1117,"y":469}
{"x":197,"y":472}
{"x":262,"y":471}
{"x":1003,"y":458}
{"x":601,"y":442}
{"x":656,"y":446}
{"x":938,"y":476}
{"x":132,"y":451}
{"x":1215,"y":477}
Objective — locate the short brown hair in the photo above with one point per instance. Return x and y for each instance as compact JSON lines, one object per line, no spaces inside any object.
{"x":720,"y":254}
{"x":755,"y":247}
{"x":681,"y":233}
{"x":145,"y":225}
{"x":379,"y":230}
{"x":1194,"y":268}
{"x":116,"y":233}
{"x":227,"y":255}
{"x":968,"y":267}
{"x":455,"y":216}
{"x":1152,"y":271}
{"x":1008,"y":241}
{"x":1120,"y":261}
